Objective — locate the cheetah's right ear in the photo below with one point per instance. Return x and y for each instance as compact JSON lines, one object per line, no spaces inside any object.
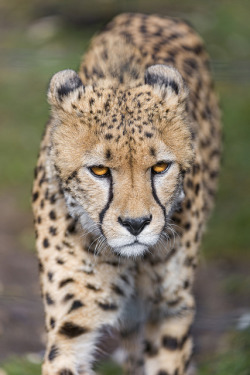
{"x":167,"y":82}
{"x":64,"y":88}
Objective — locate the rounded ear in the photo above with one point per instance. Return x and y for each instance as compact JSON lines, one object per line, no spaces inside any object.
{"x":167,"y":83}
{"x":65,"y":86}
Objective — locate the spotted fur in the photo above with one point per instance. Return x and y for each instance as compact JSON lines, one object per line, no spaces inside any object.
{"x":119,"y":251}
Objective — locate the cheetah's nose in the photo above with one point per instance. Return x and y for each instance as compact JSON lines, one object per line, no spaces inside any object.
{"x":135,"y":226}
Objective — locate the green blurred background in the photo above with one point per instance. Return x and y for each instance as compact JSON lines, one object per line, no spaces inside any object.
{"x":39,"y":38}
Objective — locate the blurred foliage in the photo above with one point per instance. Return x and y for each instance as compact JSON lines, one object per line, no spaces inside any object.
{"x":233,"y":360}
{"x":21,"y":366}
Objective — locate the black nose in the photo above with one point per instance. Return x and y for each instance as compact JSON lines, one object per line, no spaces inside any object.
{"x":135,"y":226}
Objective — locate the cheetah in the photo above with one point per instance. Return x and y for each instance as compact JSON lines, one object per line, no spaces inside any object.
{"x":124,"y":184}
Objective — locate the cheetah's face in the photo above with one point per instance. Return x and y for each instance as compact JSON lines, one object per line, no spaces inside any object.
{"x":120,"y":155}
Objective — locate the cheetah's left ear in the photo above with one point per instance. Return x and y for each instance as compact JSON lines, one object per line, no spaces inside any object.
{"x":64,"y":88}
{"x":167,"y":83}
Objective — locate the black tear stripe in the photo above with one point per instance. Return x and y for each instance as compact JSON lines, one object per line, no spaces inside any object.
{"x":156,"y":197}
{"x":110,"y":198}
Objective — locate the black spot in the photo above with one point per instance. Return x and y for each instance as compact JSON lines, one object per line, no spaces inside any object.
{"x":53,"y":231}
{"x":197,"y":189}
{"x":149,"y":349}
{"x":75,"y":305}
{"x":104,"y":55}
{"x":68,"y":297}
{"x":189,"y":66}
{"x":107,"y":306}
{"x":170,"y":343}
{"x":72,"y":84}
{"x":106,"y":106}
{"x":187,"y":226}
{"x":186,"y":284}
{"x":190,"y":183}
{"x":125,"y":279}
{"x":53,"y":199}
{"x":43,"y":179}
{"x":92,"y":287}
{"x":35,"y":196}
{"x":66,"y":371}
{"x":198,"y":49}
{"x":66,"y":281}
{"x":50,"y":276}
{"x":91,"y":101}
{"x":59,"y":261}
{"x":52,"y":322}
{"x":108,"y":136}
{"x":108,"y":154}
{"x":72,"y":330}
{"x":49,"y":300}
{"x":53,"y":353}
{"x":117,"y":290}
{"x":45,"y":242}
{"x":143,"y":29}
{"x":162,"y":372}
{"x":214,"y":174}
{"x":72,"y":227}
{"x":52,"y":215}
{"x":188,"y":204}
{"x":189,"y":261}
{"x":46,"y":195}
{"x":152,"y":152}
{"x":149,"y":135}
{"x":39,"y":220}
{"x":196,"y":169}
{"x":40,"y":267}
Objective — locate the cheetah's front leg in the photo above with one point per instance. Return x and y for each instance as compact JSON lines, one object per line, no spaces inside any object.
{"x":79,"y":314}
{"x":67,"y":350}
{"x":168,"y":345}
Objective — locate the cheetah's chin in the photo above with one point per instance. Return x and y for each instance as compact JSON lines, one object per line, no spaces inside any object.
{"x":131,"y":251}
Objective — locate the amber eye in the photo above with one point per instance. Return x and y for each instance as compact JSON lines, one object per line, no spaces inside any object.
{"x":160,"y":167}
{"x":100,"y":170}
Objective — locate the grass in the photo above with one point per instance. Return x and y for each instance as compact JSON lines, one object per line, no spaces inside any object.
{"x":20,"y":366}
{"x":234,"y":360}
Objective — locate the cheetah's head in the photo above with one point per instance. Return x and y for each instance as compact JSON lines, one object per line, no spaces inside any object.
{"x":120,"y":154}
